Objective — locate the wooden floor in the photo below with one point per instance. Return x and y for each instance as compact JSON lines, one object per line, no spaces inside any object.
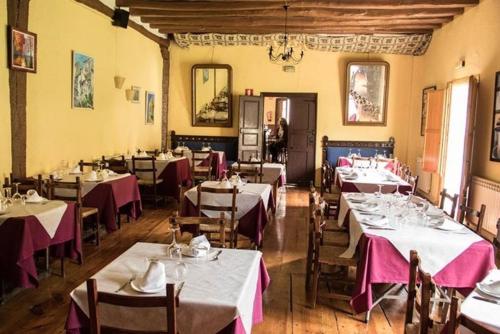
{"x":43,"y":310}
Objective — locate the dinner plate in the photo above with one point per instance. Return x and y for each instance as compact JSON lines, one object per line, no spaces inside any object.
{"x":135,"y":286}
{"x":491,"y":289}
{"x":448,"y":225}
{"x":369,"y":207}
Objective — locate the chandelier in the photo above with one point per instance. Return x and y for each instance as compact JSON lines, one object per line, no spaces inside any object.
{"x":284,"y":53}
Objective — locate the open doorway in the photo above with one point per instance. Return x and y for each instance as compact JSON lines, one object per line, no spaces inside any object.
{"x":298,"y":110}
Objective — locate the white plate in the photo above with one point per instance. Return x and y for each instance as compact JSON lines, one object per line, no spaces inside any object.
{"x":135,"y":286}
{"x":41,"y":200}
{"x":449,"y":225}
{"x":484,"y":289}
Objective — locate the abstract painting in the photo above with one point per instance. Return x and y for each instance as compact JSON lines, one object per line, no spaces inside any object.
{"x":22,"y":50}
{"x":82,"y":81}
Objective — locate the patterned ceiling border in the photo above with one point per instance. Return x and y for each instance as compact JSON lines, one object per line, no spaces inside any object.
{"x":413,"y":45}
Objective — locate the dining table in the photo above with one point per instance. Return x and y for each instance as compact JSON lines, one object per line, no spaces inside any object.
{"x":28,"y":228}
{"x":174,"y":171}
{"x":348,"y":161}
{"x":369,"y":180}
{"x":253,"y":201}
{"x":114,"y":195}
{"x":219,"y":294}
{"x":219,"y":160}
{"x":383,"y":229}
{"x":483,"y":307}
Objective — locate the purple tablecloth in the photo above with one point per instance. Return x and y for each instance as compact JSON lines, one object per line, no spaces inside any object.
{"x":78,"y":322}
{"x":251,"y":225}
{"x":175,"y":173}
{"x":21,"y":237}
{"x":113,"y":197}
{"x":380,"y":262}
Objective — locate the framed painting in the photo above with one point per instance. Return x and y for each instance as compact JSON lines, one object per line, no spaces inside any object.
{"x":136,"y":94}
{"x":22,"y":50}
{"x":82,"y":81}
{"x":150,"y":108}
{"x":423,"y":116}
{"x":211,"y":95}
{"x":366,"y":93}
{"x":495,"y":131}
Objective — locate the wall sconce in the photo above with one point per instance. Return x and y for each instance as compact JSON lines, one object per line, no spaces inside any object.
{"x":119,"y":81}
{"x":129,"y":94}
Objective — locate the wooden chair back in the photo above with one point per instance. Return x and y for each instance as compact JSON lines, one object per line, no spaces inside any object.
{"x":68,"y":191}
{"x":466,"y":211}
{"x":178,"y":154}
{"x":170,"y":302}
{"x":175,"y":220}
{"x":117,"y":164}
{"x":24,"y":183}
{"x":456,"y":319}
{"x":148,"y":166}
{"x":154,"y":152}
{"x":93,"y":165}
{"x":327,"y":177}
{"x":251,"y":169}
{"x":426,"y":290}
{"x":496,"y":241}
{"x":381,"y":163}
{"x":454,"y":201}
{"x":201,"y":164}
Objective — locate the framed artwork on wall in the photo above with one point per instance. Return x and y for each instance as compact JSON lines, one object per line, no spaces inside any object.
{"x":211,"y":90}
{"x":150,"y":108}
{"x":366,"y":93}
{"x":495,"y":131}
{"x":136,"y":94}
{"x":82,"y":82}
{"x":423,"y":116}
{"x":22,"y":50}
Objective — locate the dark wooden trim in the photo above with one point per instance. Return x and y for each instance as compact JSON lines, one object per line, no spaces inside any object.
{"x":17,"y":16}
{"x":103,"y":9}
{"x":325,"y":143}
{"x":175,"y":138}
{"x":165,"y":53}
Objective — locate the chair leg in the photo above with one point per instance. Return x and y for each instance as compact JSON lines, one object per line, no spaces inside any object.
{"x":47,"y":260}
{"x":315,"y":286}
{"x":309,"y":265}
{"x":97,"y":222}
{"x":155,"y":197}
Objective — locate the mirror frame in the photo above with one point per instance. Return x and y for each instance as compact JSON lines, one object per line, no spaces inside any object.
{"x":229,"y":122}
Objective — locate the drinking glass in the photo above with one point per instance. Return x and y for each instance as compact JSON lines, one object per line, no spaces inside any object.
{"x":24,"y":198}
{"x":379,"y":192}
{"x":17,"y":196}
{"x":349,"y":154}
{"x":397,"y":193}
{"x":376,"y":153}
{"x":359,"y":152}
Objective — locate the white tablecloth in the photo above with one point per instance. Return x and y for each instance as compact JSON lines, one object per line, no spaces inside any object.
{"x":488,"y":314}
{"x":214,"y":294}
{"x":49,"y":214}
{"x":159,"y":164}
{"x":271,"y":171}
{"x":247,"y":198}
{"x":368,"y":179}
{"x":87,"y":186}
{"x":189,"y":154}
{"x":436,"y":248}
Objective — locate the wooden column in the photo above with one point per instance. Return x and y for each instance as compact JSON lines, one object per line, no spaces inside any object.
{"x":17,"y":11}
{"x":165,"y":54}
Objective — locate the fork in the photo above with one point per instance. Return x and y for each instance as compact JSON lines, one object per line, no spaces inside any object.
{"x":125,"y":284}
{"x":216,"y":257}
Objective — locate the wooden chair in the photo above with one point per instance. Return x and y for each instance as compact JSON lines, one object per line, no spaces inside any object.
{"x":116,"y":164}
{"x":210,"y":230}
{"x":93,"y":165}
{"x":327,"y":256}
{"x":381,"y":163}
{"x":423,"y":303}
{"x":457,"y":320}
{"x":251,"y":169}
{"x":154,"y":152}
{"x":24,"y":184}
{"x":328,"y":190}
{"x":496,"y":241}
{"x":453,"y":199}
{"x":470,"y":212}
{"x":197,"y":222}
{"x":147,"y":179}
{"x":413,"y":181}
{"x":72,"y":191}
{"x":198,"y":172}
{"x":170,"y":302}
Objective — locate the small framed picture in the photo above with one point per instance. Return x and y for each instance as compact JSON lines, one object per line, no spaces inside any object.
{"x":136,"y":94}
{"x":22,"y":50}
{"x":495,"y":131}
{"x":423,"y":117}
{"x":150,"y":108}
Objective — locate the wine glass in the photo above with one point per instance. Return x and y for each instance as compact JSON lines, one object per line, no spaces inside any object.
{"x":376,"y":153}
{"x":224,"y":175}
{"x":397,"y":193}
{"x":359,"y":152}
{"x":379,"y":192}
{"x":17,"y":196}
{"x":350,"y":153}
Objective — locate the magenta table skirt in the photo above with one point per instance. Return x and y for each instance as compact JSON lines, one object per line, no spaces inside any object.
{"x":113,"y":197}
{"x":345,"y":162}
{"x":382,"y":263}
{"x":176,"y":173}
{"x":78,"y":322}
{"x":21,"y":237}
{"x":251,"y":225}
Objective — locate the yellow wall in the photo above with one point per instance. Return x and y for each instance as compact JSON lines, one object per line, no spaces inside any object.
{"x":5,"y":154}
{"x":56,"y":131}
{"x":473,"y":36}
{"x":319,"y":72}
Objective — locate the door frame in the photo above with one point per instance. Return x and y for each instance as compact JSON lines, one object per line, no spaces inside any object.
{"x":313,"y":96}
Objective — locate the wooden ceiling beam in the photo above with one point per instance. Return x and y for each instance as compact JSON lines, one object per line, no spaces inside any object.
{"x":273,"y":4}
{"x":306,"y":21}
{"x":298,"y":12}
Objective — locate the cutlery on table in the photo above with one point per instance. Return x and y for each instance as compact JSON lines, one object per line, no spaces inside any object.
{"x":486,"y":300}
{"x":125,"y":284}
{"x":216,"y":257}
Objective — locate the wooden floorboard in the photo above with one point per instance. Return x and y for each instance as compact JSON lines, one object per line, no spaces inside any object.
{"x":286,"y":306}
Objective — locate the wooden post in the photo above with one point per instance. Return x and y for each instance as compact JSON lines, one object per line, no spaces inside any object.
{"x":165,"y":54}
{"x":17,"y":16}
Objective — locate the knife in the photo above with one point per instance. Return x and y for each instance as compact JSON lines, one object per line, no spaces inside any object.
{"x":486,"y":300}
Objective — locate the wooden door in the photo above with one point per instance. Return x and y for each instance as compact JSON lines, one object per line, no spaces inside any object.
{"x":250,"y":135}
{"x":302,"y":139}
{"x":433,"y":129}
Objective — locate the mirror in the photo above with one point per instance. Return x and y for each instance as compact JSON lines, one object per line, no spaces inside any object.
{"x":212,"y":89}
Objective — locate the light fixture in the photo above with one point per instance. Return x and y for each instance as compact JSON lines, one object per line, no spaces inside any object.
{"x":285,"y":54}
{"x":119,"y":81}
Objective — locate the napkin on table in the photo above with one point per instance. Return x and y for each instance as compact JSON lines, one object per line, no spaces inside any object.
{"x":154,"y":278}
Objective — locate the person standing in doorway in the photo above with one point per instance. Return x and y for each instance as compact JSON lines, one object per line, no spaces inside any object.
{"x":281,"y":140}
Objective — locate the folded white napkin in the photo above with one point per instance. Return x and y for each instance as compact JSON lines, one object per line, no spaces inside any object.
{"x":226,"y":184}
{"x":92,"y":176}
{"x":143,"y":154}
{"x":434,"y":212}
{"x":367,"y":207}
{"x":154,"y":278}
{"x":162,"y":156}
{"x":254,"y":160}
{"x":33,"y":196}
{"x":76,"y":170}
{"x":205,"y":148}
{"x":199,"y":246}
